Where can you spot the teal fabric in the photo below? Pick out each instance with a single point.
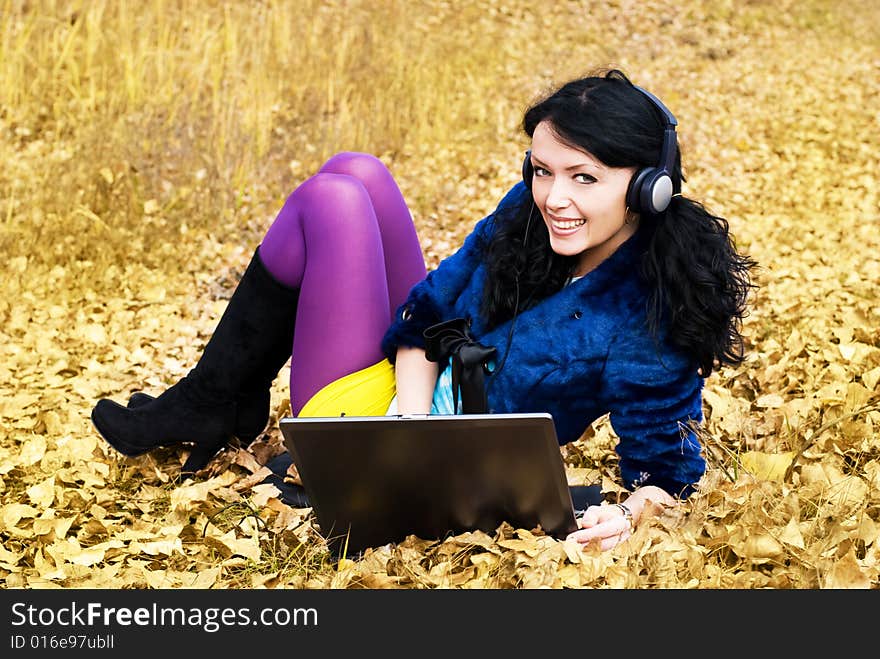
(442, 402)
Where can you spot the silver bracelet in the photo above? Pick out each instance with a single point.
(627, 513)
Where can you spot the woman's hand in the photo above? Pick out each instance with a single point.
(608, 525)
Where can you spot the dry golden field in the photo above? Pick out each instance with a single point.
(146, 146)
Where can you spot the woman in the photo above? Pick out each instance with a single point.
(594, 287)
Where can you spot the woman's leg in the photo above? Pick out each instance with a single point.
(404, 261)
(345, 238)
(327, 240)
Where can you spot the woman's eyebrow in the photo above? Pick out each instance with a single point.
(591, 165)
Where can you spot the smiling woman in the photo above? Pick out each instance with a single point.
(627, 296)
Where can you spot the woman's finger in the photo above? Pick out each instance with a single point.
(596, 515)
(589, 518)
(612, 527)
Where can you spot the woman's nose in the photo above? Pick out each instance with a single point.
(558, 197)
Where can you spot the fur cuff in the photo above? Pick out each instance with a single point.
(410, 320)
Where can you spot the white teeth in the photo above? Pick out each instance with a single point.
(569, 224)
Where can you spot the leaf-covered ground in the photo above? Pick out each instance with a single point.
(146, 152)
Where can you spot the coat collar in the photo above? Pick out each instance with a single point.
(622, 265)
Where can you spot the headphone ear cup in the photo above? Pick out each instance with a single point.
(656, 191)
(527, 170)
(634, 191)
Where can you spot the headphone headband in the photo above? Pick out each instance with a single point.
(670, 118)
(667, 152)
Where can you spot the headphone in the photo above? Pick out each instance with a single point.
(651, 188)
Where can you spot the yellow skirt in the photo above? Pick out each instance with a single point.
(367, 392)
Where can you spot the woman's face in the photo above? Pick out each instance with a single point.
(582, 201)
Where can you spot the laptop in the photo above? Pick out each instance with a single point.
(377, 479)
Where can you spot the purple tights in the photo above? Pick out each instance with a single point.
(346, 239)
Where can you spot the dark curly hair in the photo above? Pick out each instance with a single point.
(697, 281)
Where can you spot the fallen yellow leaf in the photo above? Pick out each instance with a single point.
(767, 466)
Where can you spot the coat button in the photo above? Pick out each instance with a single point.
(577, 315)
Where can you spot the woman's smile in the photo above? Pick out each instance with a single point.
(565, 226)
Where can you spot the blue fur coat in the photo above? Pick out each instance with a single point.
(579, 354)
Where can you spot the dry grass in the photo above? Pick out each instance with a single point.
(147, 145)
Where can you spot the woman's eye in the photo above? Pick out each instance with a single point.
(540, 171)
(584, 178)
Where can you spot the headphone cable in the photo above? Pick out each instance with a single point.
(515, 305)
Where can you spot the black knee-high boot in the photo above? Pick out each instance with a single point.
(250, 344)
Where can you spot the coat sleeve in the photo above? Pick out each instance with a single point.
(654, 396)
(432, 300)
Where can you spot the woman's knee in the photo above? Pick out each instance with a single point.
(328, 200)
(364, 166)
(331, 189)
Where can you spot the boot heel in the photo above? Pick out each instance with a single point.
(199, 458)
